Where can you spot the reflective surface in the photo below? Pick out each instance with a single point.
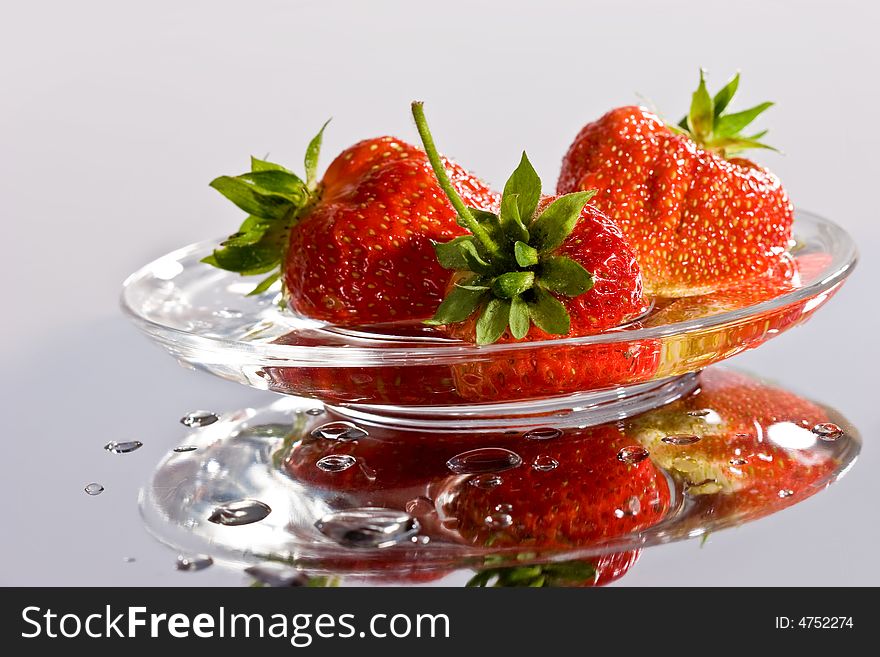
(732, 451)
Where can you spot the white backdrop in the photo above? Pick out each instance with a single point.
(115, 115)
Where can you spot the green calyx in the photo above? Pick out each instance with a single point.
(565, 573)
(713, 129)
(506, 270)
(274, 199)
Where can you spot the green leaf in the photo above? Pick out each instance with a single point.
(247, 261)
(493, 321)
(511, 220)
(701, 117)
(458, 305)
(730, 125)
(548, 313)
(473, 258)
(265, 284)
(564, 275)
(519, 318)
(266, 194)
(525, 183)
(737, 144)
(450, 254)
(263, 165)
(513, 284)
(525, 255)
(313, 150)
(557, 221)
(725, 95)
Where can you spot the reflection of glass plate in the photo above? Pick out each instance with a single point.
(203, 318)
(732, 452)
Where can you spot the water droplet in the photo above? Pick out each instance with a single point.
(185, 448)
(681, 439)
(342, 431)
(242, 512)
(315, 412)
(785, 492)
(765, 457)
(368, 527)
(277, 575)
(544, 463)
(498, 520)
(336, 462)
(484, 460)
(632, 455)
(421, 540)
(632, 508)
(544, 433)
(129, 559)
(419, 506)
(827, 431)
(193, 563)
(94, 489)
(228, 313)
(123, 448)
(199, 419)
(504, 508)
(738, 460)
(703, 412)
(485, 481)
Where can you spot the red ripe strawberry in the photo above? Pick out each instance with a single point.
(698, 221)
(356, 246)
(553, 263)
(753, 439)
(598, 571)
(572, 491)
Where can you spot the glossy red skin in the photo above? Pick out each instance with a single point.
(572, 505)
(697, 221)
(363, 253)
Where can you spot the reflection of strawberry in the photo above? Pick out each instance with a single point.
(697, 221)
(598, 571)
(570, 491)
(751, 440)
(356, 246)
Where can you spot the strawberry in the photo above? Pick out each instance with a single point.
(573, 491)
(356, 246)
(753, 440)
(542, 267)
(598, 571)
(697, 220)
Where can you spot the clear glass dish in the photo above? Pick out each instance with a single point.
(407, 374)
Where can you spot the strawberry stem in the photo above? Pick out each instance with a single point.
(463, 211)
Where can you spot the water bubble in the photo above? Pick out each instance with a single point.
(314, 412)
(277, 575)
(504, 508)
(484, 460)
(544, 463)
(680, 439)
(199, 419)
(738, 460)
(185, 448)
(485, 481)
(544, 433)
(419, 506)
(421, 540)
(368, 527)
(827, 431)
(123, 448)
(632, 508)
(632, 454)
(498, 520)
(242, 512)
(785, 492)
(341, 431)
(700, 413)
(765, 457)
(193, 563)
(94, 489)
(336, 462)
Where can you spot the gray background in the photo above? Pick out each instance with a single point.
(115, 115)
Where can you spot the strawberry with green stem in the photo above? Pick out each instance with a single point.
(698, 218)
(541, 267)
